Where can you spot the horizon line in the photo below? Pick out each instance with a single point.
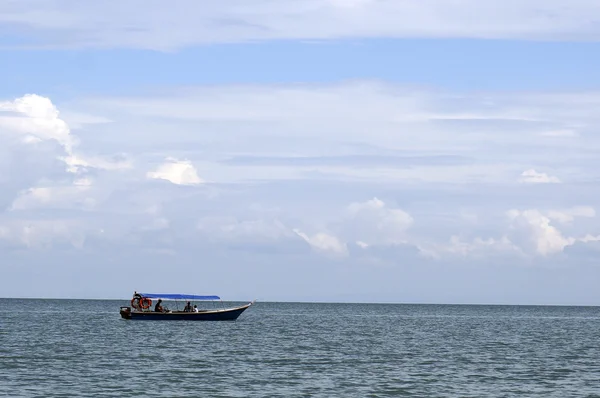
(329, 302)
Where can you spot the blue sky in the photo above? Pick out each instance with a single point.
(316, 150)
(449, 63)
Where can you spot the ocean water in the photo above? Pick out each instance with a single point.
(82, 348)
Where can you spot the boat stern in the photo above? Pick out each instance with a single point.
(125, 312)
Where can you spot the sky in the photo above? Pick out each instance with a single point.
(431, 151)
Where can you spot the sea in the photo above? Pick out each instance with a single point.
(82, 348)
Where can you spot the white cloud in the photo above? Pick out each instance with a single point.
(477, 247)
(568, 215)
(76, 164)
(43, 234)
(42, 168)
(373, 222)
(533, 229)
(529, 234)
(532, 176)
(368, 131)
(32, 140)
(325, 243)
(560, 133)
(157, 25)
(56, 196)
(179, 172)
(590, 238)
(439, 155)
(36, 119)
(234, 229)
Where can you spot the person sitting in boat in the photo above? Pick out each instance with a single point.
(158, 307)
(188, 307)
(195, 308)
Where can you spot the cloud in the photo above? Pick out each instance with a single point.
(568, 215)
(373, 222)
(33, 139)
(36, 119)
(232, 228)
(324, 243)
(390, 256)
(179, 172)
(533, 229)
(157, 25)
(532, 176)
(369, 131)
(33, 119)
(45, 179)
(77, 164)
(478, 249)
(382, 170)
(526, 235)
(56, 196)
(560, 133)
(42, 166)
(43, 234)
(585, 251)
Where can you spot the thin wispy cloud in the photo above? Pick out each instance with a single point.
(534, 177)
(162, 26)
(367, 130)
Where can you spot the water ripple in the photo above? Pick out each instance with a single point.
(60, 348)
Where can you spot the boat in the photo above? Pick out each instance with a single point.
(141, 308)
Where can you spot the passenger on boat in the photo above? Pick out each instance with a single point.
(158, 307)
(195, 308)
(188, 307)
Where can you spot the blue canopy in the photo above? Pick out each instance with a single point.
(179, 296)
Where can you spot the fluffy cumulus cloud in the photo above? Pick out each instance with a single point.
(534, 230)
(34, 144)
(43, 170)
(36, 119)
(179, 172)
(155, 24)
(373, 222)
